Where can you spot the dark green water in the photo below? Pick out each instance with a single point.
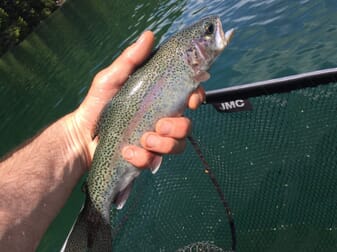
(50, 72)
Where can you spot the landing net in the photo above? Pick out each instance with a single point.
(275, 161)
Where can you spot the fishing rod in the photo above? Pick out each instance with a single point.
(272, 86)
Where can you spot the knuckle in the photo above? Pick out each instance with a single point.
(100, 77)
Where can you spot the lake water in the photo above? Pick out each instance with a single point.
(48, 74)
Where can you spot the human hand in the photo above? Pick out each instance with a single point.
(170, 133)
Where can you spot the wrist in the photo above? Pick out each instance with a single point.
(76, 141)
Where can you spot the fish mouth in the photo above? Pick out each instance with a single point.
(222, 39)
(228, 35)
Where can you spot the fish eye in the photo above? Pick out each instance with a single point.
(209, 29)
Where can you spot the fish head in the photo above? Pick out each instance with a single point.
(201, 43)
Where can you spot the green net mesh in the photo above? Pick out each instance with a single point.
(276, 165)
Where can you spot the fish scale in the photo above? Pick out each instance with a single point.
(158, 89)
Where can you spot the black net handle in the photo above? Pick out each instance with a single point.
(280, 85)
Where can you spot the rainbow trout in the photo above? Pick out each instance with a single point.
(158, 89)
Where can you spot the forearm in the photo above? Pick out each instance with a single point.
(35, 182)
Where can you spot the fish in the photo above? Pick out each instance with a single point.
(160, 88)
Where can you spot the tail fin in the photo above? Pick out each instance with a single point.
(89, 233)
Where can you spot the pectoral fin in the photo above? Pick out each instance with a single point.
(122, 196)
(155, 164)
(201, 76)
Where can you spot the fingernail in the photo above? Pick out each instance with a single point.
(128, 153)
(141, 38)
(151, 141)
(200, 96)
(165, 128)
